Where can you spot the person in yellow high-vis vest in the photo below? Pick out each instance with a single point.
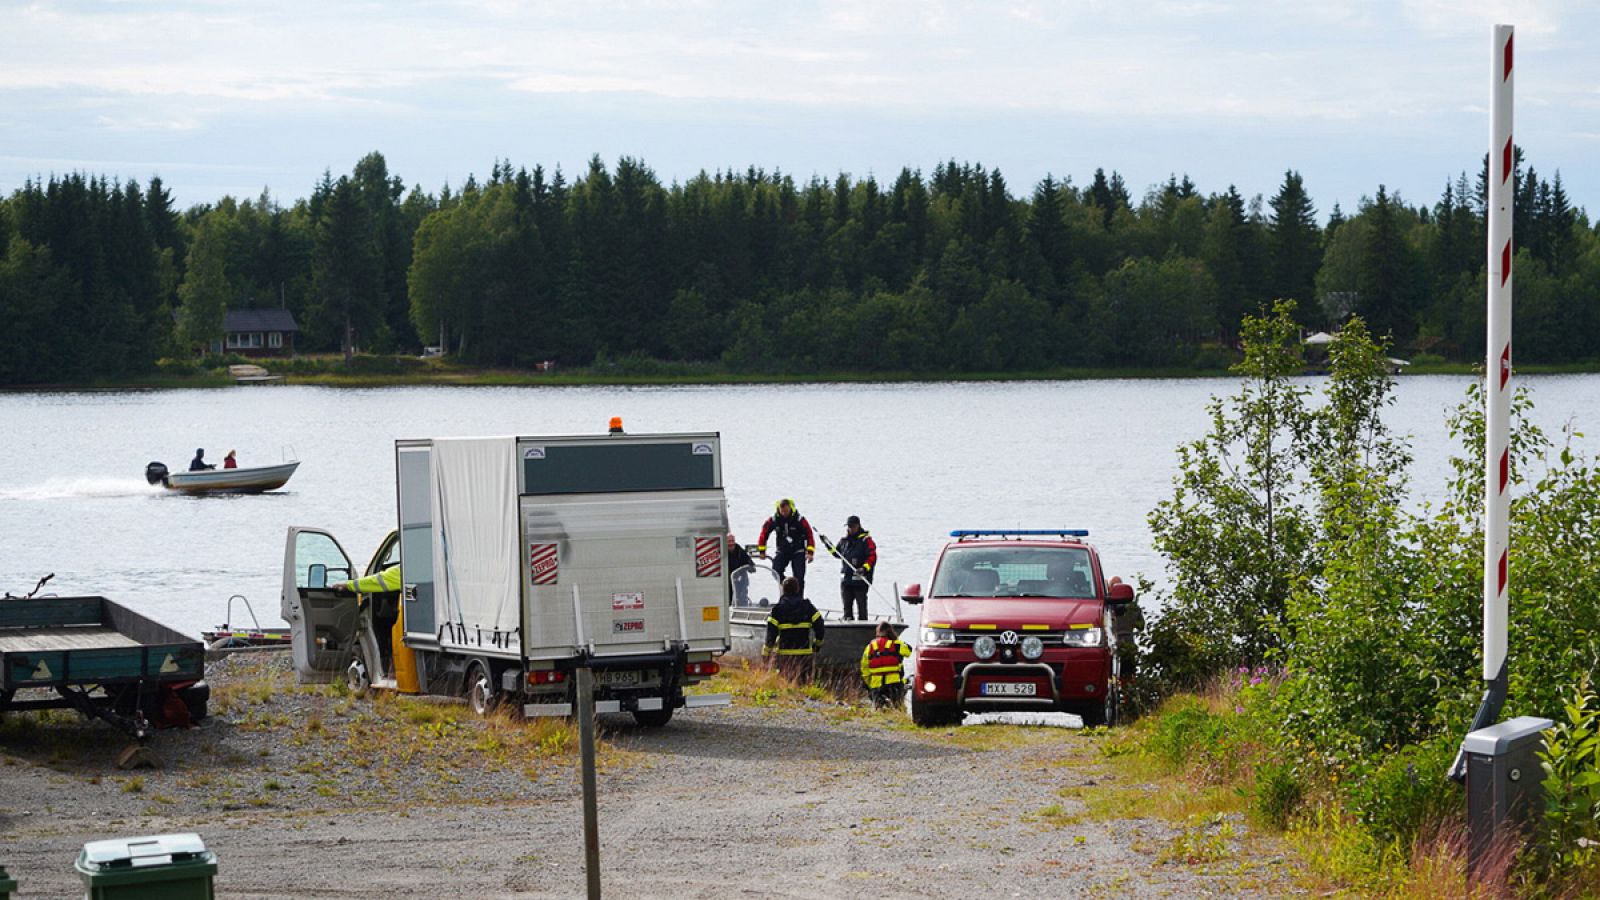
(383, 581)
(883, 669)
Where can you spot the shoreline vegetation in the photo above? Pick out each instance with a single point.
(377, 371)
(609, 272)
(1316, 647)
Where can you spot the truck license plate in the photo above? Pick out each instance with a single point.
(621, 677)
(1009, 689)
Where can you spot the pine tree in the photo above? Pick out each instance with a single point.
(1295, 243)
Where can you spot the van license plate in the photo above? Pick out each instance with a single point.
(1009, 689)
(620, 677)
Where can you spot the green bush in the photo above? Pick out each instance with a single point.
(301, 365)
(1184, 730)
(1212, 358)
(381, 365)
(1571, 763)
(222, 360)
(170, 366)
(1277, 795)
(1406, 795)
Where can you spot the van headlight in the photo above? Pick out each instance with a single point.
(1082, 637)
(984, 646)
(1032, 647)
(938, 637)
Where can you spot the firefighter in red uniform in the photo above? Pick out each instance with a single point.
(882, 669)
(795, 545)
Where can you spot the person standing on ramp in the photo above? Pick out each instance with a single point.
(795, 544)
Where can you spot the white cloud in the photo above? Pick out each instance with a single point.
(1474, 17)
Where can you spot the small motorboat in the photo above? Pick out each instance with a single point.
(844, 640)
(243, 480)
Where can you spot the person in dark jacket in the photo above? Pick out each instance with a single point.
(794, 632)
(858, 553)
(795, 545)
(739, 566)
(199, 464)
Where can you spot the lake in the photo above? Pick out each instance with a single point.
(913, 460)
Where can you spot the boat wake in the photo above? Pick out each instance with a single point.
(81, 488)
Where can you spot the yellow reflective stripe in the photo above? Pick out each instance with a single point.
(1036, 628)
(805, 652)
(882, 670)
(1080, 627)
(815, 617)
(981, 627)
(938, 625)
(781, 626)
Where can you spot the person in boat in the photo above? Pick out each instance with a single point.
(794, 632)
(228, 462)
(739, 565)
(882, 668)
(858, 554)
(795, 544)
(199, 464)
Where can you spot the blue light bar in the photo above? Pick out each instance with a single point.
(1020, 532)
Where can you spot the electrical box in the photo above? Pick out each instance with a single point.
(1504, 785)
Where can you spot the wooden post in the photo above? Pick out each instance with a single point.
(591, 816)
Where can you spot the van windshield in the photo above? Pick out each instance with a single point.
(1015, 572)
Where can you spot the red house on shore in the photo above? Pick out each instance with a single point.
(257, 332)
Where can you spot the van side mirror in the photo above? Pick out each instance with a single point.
(317, 576)
(1120, 594)
(912, 595)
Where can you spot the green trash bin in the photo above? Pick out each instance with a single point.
(8, 885)
(160, 867)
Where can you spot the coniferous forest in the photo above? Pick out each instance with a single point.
(753, 272)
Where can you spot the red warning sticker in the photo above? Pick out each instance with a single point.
(544, 563)
(707, 557)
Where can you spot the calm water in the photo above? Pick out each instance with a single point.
(914, 461)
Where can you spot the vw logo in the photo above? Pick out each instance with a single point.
(1008, 637)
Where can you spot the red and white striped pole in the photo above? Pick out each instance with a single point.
(1497, 387)
(1497, 397)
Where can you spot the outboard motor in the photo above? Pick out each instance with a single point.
(155, 473)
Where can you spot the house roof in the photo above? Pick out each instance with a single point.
(259, 320)
(1320, 338)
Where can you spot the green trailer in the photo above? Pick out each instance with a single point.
(101, 659)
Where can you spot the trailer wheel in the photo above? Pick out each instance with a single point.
(652, 718)
(481, 694)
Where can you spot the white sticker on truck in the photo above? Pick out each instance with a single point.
(631, 600)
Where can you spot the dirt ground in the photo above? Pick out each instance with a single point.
(306, 792)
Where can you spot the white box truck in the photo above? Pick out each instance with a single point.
(520, 560)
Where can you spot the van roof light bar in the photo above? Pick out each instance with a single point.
(964, 534)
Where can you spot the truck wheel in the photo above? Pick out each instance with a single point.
(481, 695)
(356, 677)
(1104, 714)
(652, 718)
(932, 715)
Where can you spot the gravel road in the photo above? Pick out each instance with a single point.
(305, 793)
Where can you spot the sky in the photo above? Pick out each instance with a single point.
(225, 97)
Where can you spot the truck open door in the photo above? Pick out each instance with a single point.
(323, 624)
